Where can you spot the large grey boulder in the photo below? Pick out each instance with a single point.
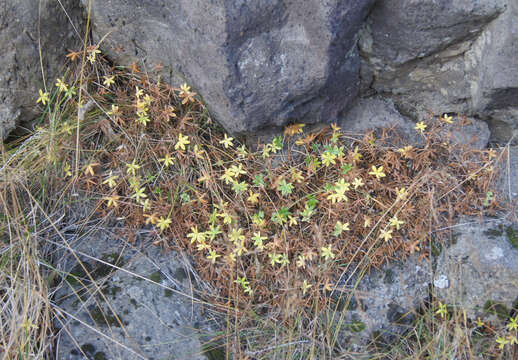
(378, 112)
(382, 303)
(433, 56)
(403, 30)
(25, 27)
(257, 63)
(507, 181)
(479, 272)
(495, 63)
(141, 304)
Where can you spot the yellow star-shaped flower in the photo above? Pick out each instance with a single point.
(111, 180)
(236, 235)
(198, 152)
(378, 172)
(227, 141)
(112, 200)
(406, 151)
(108, 80)
(328, 158)
(167, 160)
(213, 255)
(301, 261)
(357, 183)
(401, 193)
(342, 186)
(421, 126)
(163, 223)
(139, 193)
(138, 92)
(386, 234)
(327, 252)
(195, 235)
(305, 287)
(356, 155)
(253, 198)
(185, 90)
(60, 84)
(394, 221)
(258, 240)
(447, 119)
(132, 168)
(44, 97)
(182, 141)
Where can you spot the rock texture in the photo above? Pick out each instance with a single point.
(384, 303)
(257, 63)
(507, 183)
(261, 64)
(377, 112)
(436, 56)
(479, 273)
(149, 291)
(25, 27)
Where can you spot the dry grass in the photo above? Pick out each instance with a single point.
(273, 227)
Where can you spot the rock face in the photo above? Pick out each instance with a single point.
(479, 272)
(149, 291)
(507, 182)
(24, 26)
(384, 302)
(261, 64)
(436, 56)
(378, 112)
(257, 63)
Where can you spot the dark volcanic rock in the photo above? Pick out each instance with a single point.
(404, 30)
(434, 56)
(25, 27)
(258, 64)
(140, 307)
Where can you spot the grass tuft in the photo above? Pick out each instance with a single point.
(276, 228)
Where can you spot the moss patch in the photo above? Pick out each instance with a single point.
(495, 308)
(389, 277)
(96, 271)
(213, 351)
(180, 274)
(496, 232)
(343, 303)
(102, 270)
(113, 290)
(88, 349)
(436, 249)
(357, 326)
(134, 303)
(101, 318)
(100, 356)
(157, 276)
(512, 236)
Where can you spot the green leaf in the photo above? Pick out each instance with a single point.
(346, 168)
(312, 201)
(281, 216)
(277, 144)
(488, 199)
(185, 197)
(285, 188)
(239, 187)
(307, 213)
(258, 180)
